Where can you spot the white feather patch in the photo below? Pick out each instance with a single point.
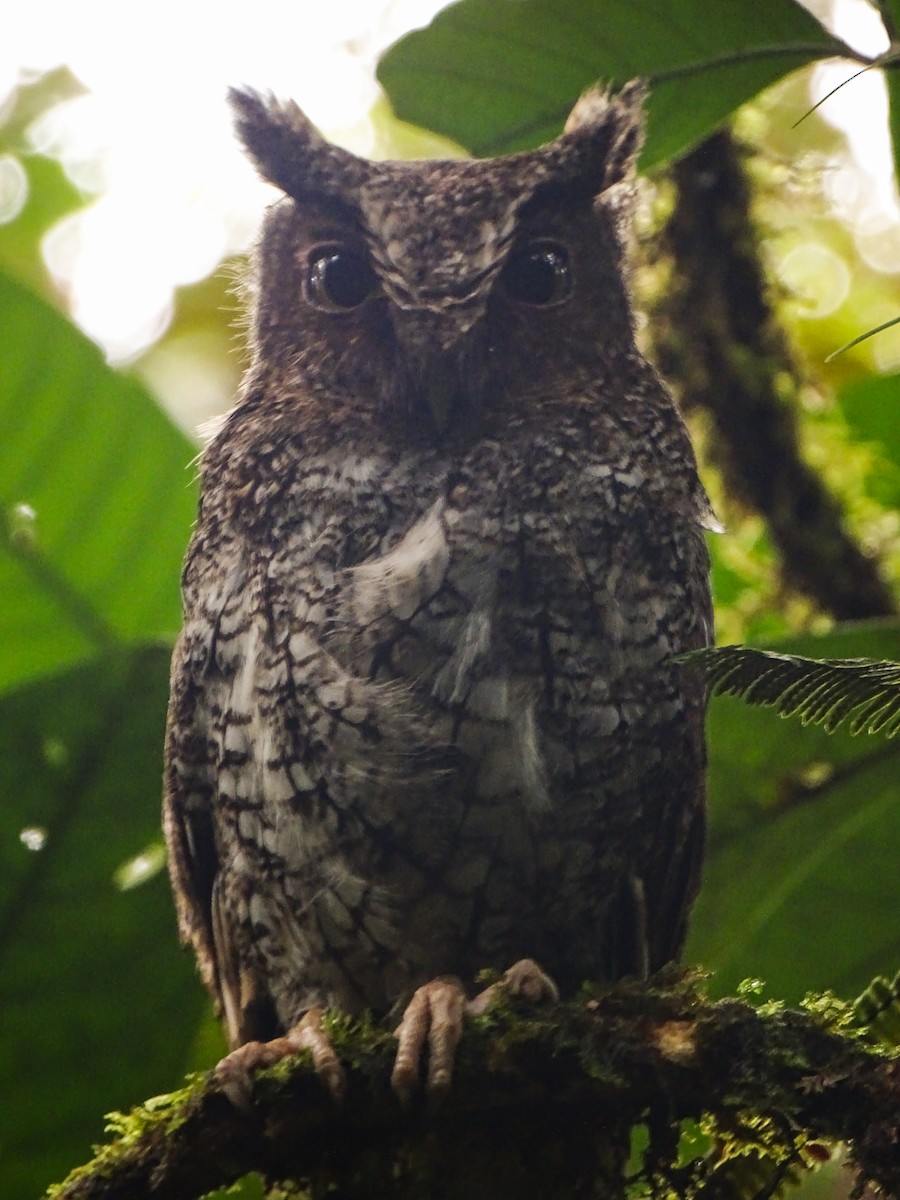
(400, 581)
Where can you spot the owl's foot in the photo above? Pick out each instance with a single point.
(434, 1019)
(525, 980)
(433, 1016)
(236, 1069)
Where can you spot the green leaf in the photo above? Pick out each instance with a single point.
(100, 1006)
(804, 850)
(96, 500)
(502, 75)
(871, 408)
(860, 694)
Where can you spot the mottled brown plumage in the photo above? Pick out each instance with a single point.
(423, 716)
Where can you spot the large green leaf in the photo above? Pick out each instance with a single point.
(872, 410)
(100, 1007)
(96, 499)
(501, 75)
(801, 885)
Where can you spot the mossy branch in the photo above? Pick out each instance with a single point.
(718, 341)
(544, 1103)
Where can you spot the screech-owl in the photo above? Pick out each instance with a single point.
(424, 718)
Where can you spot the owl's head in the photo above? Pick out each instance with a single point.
(440, 298)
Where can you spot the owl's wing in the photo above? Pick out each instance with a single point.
(676, 878)
(650, 601)
(675, 799)
(671, 886)
(187, 819)
(189, 792)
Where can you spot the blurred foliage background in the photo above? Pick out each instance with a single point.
(101, 1009)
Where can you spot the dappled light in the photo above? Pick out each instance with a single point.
(150, 145)
(816, 277)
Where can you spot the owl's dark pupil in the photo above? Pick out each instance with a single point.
(538, 274)
(339, 279)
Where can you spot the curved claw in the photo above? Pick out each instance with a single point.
(433, 1023)
(234, 1072)
(309, 1035)
(433, 1017)
(524, 979)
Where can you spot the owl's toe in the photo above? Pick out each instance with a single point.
(235, 1071)
(432, 1023)
(309, 1035)
(525, 980)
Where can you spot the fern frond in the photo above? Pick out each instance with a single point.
(878, 1010)
(861, 693)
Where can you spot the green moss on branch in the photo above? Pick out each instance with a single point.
(544, 1104)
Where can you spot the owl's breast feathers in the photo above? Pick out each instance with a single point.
(423, 713)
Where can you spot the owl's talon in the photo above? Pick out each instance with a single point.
(309, 1035)
(525, 980)
(235, 1071)
(433, 1019)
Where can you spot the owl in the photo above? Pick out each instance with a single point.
(425, 718)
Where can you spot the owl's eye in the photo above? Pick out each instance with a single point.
(339, 279)
(538, 273)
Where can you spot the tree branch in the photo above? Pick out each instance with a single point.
(544, 1104)
(719, 343)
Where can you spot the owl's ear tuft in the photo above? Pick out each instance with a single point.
(289, 151)
(607, 131)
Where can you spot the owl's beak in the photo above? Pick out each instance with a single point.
(439, 344)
